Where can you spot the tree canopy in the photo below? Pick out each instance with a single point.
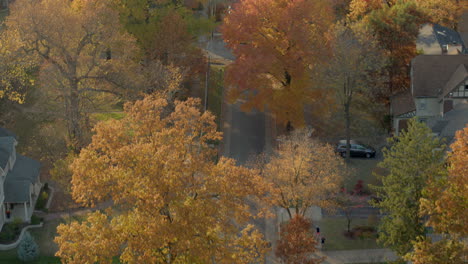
(173, 203)
(414, 156)
(81, 49)
(304, 172)
(278, 45)
(444, 204)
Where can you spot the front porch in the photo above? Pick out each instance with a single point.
(21, 211)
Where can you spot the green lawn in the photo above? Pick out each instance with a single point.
(45, 237)
(9, 257)
(332, 229)
(215, 92)
(107, 116)
(361, 169)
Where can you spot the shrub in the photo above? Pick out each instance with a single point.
(16, 224)
(42, 200)
(35, 220)
(28, 250)
(8, 234)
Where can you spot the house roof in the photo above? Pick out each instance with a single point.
(432, 37)
(7, 146)
(458, 77)
(18, 181)
(402, 103)
(430, 73)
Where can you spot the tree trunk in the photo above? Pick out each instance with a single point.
(348, 130)
(348, 218)
(289, 213)
(75, 132)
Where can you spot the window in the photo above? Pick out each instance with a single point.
(422, 105)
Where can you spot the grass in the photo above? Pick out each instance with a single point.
(44, 238)
(215, 92)
(107, 116)
(10, 257)
(332, 229)
(361, 169)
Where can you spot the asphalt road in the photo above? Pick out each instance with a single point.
(247, 134)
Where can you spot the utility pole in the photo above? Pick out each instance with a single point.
(207, 76)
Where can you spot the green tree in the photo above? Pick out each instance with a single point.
(28, 250)
(444, 204)
(414, 156)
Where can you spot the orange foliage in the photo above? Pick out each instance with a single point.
(297, 242)
(278, 45)
(173, 202)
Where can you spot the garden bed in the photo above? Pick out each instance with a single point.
(44, 195)
(11, 231)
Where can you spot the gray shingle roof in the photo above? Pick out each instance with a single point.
(432, 37)
(430, 73)
(447, 36)
(7, 146)
(18, 181)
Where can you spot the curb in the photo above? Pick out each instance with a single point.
(16, 243)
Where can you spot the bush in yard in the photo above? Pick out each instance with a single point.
(28, 250)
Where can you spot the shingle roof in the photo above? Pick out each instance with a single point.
(430, 73)
(402, 103)
(447, 36)
(18, 181)
(455, 80)
(432, 37)
(7, 146)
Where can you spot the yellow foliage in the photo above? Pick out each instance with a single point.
(174, 203)
(304, 173)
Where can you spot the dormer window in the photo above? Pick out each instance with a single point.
(445, 48)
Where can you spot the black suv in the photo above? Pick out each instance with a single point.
(356, 150)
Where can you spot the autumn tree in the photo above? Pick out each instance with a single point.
(414, 157)
(297, 242)
(396, 28)
(173, 202)
(82, 53)
(279, 45)
(396, 25)
(353, 71)
(445, 203)
(349, 201)
(16, 71)
(166, 31)
(304, 172)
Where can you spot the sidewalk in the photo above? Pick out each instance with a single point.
(360, 256)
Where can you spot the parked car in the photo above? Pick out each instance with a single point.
(356, 149)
